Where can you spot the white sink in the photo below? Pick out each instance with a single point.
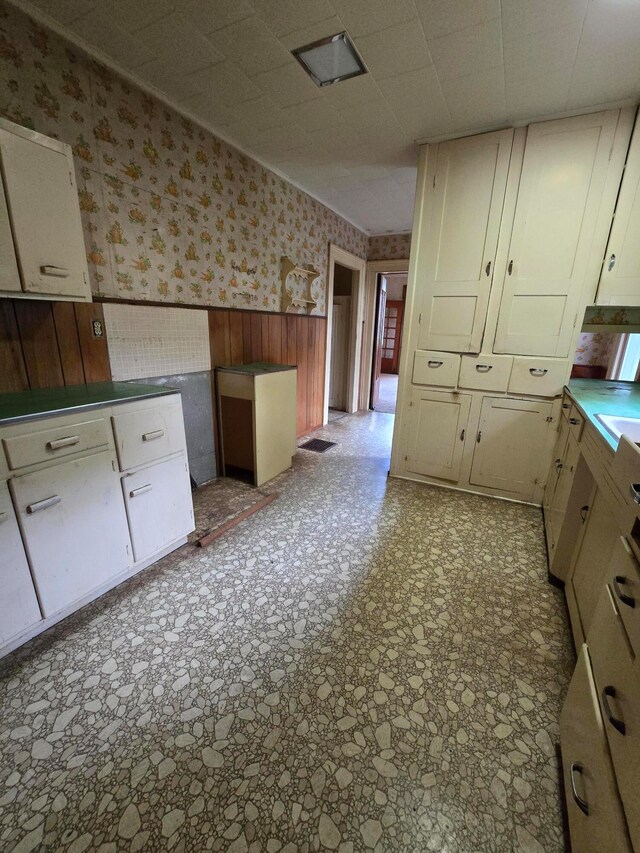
(618, 426)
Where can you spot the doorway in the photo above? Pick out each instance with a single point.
(390, 302)
(342, 301)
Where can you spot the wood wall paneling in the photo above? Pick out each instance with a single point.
(50, 344)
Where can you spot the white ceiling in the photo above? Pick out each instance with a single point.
(437, 68)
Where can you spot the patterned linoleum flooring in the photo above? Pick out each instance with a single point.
(365, 665)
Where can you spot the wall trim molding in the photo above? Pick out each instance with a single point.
(113, 300)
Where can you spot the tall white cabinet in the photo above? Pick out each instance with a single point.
(510, 229)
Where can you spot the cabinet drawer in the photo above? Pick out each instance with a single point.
(148, 434)
(159, 507)
(436, 368)
(596, 820)
(619, 696)
(543, 377)
(485, 372)
(623, 577)
(576, 422)
(49, 444)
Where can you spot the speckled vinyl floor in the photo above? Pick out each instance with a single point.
(365, 665)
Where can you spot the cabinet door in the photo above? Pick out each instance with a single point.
(596, 820)
(18, 603)
(561, 186)
(592, 557)
(510, 445)
(555, 469)
(74, 526)
(620, 277)
(9, 276)
(44, 211)
(437, 432)
(461, 235)
(558, 507)
(159, 506)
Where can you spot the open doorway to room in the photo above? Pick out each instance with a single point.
(340, 338)
(390, 300)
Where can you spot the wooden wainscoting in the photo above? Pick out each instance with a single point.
(239, 337)
(49, 344)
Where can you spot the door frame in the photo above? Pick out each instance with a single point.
(374, 269)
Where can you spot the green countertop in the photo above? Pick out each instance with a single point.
(256, 368)
(39, 403)
(606, 397)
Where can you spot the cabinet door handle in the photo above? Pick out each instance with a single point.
(38, 506)
(609, 692)
(634, 489)
(479, 436)
(612, 262)
(619, 581)
(510, 267)
(149, 436)
(57, 272)
(140, 491)
(538, 371)
(484, 368)
(487, 269)
(582, 804)
(575, 421)
(583, 512)
(558, 464)
(59, 443)
(566, 405)
(462, 434)
(433, 363)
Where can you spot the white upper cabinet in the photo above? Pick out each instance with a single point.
(9, 275)
(620, 277)
(464, 195)
(550, 258)
(43, 216)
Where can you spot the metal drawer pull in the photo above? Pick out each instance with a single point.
(575, 421)
(510, 267)
(59, 443)
(479, 436)
(583, 512)
(45, 504)
(612, 262)
(462, 434)
(149, 436)
(558, 464)
(484, 368)
(538, 371)
(58, 272)
(487, 269)
(634, 488)
(435, 363)
(609, 692)
(619, 581)
(135, 492)
(582, 804)
(566, 405)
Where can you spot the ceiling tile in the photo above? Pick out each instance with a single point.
(312, 32)
(251, 45)
(286, 16)
(210, 15)
(356, 91)
(394, 50)
(417, 100)
(65, 11)
(176, 41)
(230, 84)
(467, 51)
(441, 17)
(134, 16)
(477, 101)
(259, 114)
(362, 17)
(528, 57)
(98, 30)
(539, 95)
(287, 85)
(315, 114)
(523, 17)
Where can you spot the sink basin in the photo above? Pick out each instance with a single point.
(618, 426)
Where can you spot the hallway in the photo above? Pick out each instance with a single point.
(366, 664)
(388, 393)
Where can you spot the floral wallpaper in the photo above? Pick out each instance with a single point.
(594, 348)
(604, 316)
(170, 212)
(389, 247)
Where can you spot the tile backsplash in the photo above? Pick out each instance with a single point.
(151, 341)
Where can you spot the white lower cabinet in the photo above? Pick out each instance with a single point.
(18, 602)
(159, 507)
(438, 432)
(74, 526)
(511, 440)
(596, 820)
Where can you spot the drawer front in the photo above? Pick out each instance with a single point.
(542, 377)
(576, 422)
(566, 404)
(619, 696)
(54, 443)
(436, 368)
(623, 577)
(148, 434)
(596, 820)
(159, 506)
(485, 372)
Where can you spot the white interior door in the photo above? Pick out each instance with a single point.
(561, 186)
(461, 235)
(510, 444)
(620, 277)
(437, 432)
(45, 216)
(339, 352)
